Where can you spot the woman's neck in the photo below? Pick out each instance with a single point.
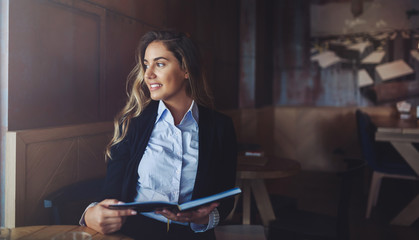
(178, 109)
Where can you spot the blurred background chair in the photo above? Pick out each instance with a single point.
(68, 203)
(301, 224)
(381, 157)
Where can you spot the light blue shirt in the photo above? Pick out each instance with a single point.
(169, 165)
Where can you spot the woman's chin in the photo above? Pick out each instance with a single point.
(155, 97)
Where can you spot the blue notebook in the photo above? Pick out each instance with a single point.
(158, 205)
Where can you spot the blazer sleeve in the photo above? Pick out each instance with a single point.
(116, 168)
(227, 165)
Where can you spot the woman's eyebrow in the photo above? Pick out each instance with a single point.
(159, 58)
(156, 59)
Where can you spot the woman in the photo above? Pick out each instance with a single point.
(168, 145)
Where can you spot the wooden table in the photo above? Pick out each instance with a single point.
(47, 232)
(251, 180)
(401, 134)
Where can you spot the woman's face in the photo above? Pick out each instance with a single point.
(165, 78)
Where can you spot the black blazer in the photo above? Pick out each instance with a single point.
(216, 160)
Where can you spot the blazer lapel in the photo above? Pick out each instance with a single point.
(143, 126)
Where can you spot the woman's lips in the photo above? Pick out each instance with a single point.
(155, 86)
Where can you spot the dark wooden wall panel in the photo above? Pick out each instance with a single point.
(181, 14)
(41, 161)
(226, 49)
(204, 35)
(153, 13)
(54, 65)
(69, 59)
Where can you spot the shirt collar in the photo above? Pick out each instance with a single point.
(164, 112)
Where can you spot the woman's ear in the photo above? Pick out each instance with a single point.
(186, 75)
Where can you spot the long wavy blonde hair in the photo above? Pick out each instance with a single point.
(138, 94)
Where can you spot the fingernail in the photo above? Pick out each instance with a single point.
(134, 212)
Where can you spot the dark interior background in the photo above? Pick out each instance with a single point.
(69, 59)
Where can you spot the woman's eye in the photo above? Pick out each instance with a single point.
(145, 66)
(160, 64)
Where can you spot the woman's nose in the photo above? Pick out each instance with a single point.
(149, 74)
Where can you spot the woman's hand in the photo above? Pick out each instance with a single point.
(198, 216)
(105, 220)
